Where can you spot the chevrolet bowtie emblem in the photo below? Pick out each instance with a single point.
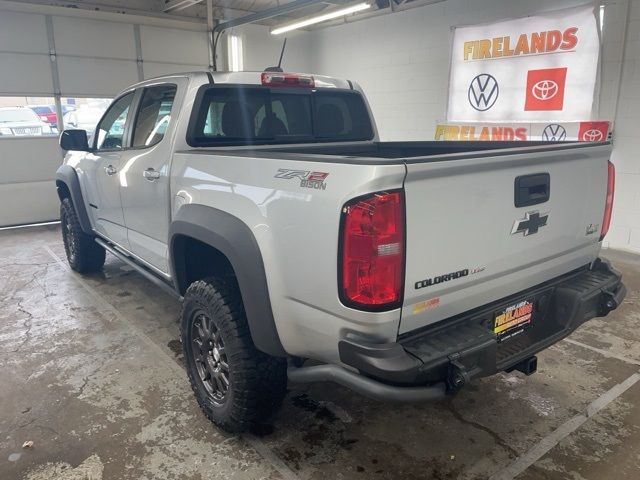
(530, 223)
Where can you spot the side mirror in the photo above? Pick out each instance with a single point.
(74, 140)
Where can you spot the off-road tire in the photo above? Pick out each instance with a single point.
(256, 381)
(83, 253)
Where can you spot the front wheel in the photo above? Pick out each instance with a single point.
(83, 253)
(236, 385)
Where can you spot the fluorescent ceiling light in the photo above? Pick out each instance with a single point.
(321, 18)
(235, 53)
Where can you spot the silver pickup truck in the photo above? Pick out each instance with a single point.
(306, 249)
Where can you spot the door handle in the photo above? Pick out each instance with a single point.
(151, 174)
(110, 170)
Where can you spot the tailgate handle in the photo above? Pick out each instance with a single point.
(532, 189)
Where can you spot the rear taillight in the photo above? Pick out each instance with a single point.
(608, 204)
(372, 252)
(277, 79)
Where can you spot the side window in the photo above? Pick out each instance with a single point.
(154, 115)
(110, 131)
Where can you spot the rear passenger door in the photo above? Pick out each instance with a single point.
(144, 177)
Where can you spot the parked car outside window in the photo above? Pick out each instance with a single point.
(22, 121)
(47, 113)
(84, 118)
(66, 108)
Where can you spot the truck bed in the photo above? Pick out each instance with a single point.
(392, 152)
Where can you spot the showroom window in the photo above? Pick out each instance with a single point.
(27, 117)
(110, 131)
(154, 115)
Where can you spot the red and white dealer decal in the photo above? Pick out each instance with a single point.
(593, 131)
(545, 89)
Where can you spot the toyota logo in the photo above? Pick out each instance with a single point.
(593, 135)
(545, 90)
(554, 133)
(483, 92)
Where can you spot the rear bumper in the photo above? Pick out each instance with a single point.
(426, 364)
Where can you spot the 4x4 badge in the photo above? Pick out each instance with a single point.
(530, 223)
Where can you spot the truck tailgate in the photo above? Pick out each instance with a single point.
(468, 244)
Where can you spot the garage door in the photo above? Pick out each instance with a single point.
(27, 184)
(83, 62)
(28, 162)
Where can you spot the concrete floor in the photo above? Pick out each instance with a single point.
(91, 372)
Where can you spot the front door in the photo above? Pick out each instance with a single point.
(106, 160)
(144, 185)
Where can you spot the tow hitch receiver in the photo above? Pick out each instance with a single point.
(528, 366)
(457, 377)
(609, 302)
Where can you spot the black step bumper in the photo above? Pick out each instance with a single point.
(462, 348)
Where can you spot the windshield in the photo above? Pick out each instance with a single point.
(18, 115)
(259, 115)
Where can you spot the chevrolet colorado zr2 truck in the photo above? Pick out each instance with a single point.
(402, 270)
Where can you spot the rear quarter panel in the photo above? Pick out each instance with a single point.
(297, 230)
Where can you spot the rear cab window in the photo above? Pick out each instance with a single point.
(257, 115)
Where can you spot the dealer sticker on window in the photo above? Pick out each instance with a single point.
(512, 320)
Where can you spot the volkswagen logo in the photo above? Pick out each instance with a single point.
(593, 135)
(545, 89)
(554, 133)
(483, 92)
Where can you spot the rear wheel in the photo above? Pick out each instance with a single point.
(83, 253)
(236, 385)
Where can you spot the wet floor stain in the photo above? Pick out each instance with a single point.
(306, 403)
(176, 347)
(263, 430)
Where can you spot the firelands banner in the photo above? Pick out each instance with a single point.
(547, 132)
(535, 69)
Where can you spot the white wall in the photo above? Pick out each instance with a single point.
(625, 226)
(402, 62)
(261, 49)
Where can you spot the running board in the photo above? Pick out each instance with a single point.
(138, 268)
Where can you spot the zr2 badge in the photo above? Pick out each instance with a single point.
(315, 180)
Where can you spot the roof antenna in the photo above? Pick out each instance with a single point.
(278, 68)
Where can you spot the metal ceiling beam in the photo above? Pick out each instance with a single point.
(175, 5)
(264, 14)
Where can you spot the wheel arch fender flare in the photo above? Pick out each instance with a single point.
(67, 177)
(235, 240)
